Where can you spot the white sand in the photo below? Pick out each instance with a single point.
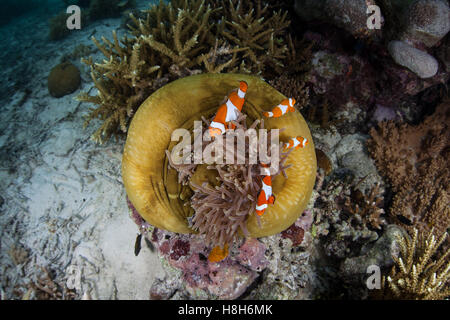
(64, 200)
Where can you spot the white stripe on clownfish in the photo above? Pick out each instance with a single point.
(297, 142)
(228, 111)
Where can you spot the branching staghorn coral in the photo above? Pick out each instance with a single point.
(292, 81)
(415, 161)
(123, 82)
(292, 87)
(254, 27)
(418, 274)
(177, 39)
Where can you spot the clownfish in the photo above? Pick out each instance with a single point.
(297, 142)
(228, 111)
(218, 253)
(265, 196)
(285, 106)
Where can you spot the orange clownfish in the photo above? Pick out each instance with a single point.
(297, 142)
(265, 196)
(285, 106)
(218, 253)
(228, 111)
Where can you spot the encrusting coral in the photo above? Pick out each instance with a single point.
(415, 161)
(420, 273)
(177, 39)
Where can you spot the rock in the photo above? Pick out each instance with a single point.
(328, 65)
(323, 162)
(359, 163)
(419, 62)
(351, 153)
(383, 113)
(380, 254)
(251, 255)
(63, 80)
(355, 272)
(309, 9)
(427, 22)
(350, 15)
(164, 289)
(444, 53)
(295, 234)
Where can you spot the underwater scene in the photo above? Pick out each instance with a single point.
(224, 150)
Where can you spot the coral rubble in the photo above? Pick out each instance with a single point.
(252, 267)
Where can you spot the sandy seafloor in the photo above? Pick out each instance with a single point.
(63, 200)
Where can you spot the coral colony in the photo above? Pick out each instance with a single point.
(265, 150)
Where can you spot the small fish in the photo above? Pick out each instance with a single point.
(149, 244)
(137, 244)
(228, 111)
(218, 253)
(285, 106)
(297, 142)
(265, 196)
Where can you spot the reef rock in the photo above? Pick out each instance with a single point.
(427, 22)
(355, 271)
(350, 15)
(444, 53)
(63, 79)
(379, 253)
(352, 154)
(251, 255)
(418, 61)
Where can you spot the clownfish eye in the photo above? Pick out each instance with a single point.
(272, 199)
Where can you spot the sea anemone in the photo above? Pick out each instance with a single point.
(181, 200)
(225, 194)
